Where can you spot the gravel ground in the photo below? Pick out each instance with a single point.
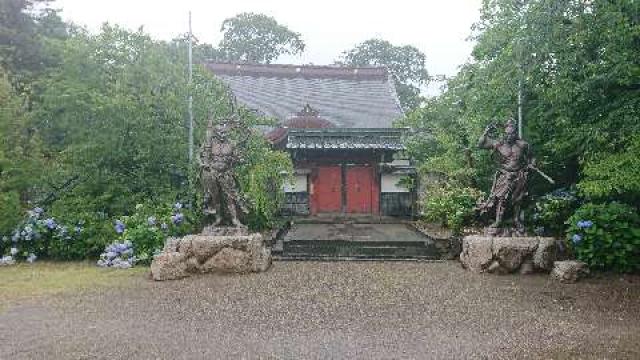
(363, 310)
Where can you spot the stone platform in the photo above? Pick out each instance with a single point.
(208, 252)
(502, 255)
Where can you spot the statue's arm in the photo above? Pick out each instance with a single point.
(485, 141)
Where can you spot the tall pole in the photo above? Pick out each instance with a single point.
(190, 94)
(520, 107)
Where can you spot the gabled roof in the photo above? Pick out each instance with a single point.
(349, 97)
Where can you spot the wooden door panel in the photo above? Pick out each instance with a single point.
(359, 187)
(328, 189)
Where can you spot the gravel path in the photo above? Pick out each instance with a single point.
(365, 310)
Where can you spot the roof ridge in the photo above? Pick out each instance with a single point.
(309, 66)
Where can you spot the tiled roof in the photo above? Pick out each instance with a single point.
(354, 138)
(346, 96)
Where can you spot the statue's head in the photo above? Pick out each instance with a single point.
(510, 132)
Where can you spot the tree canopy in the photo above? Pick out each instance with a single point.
(257, 38)
(406, 63)
(578, 64)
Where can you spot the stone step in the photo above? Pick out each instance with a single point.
(332, 249)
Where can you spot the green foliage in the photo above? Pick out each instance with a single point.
(616, 174)
(150, 225)
(577, 63)
(261, 179)
(406, 64)
(25, 26)
(606, 236)
(105, 130)
(257, 38)
(552, 210)
(450, 206)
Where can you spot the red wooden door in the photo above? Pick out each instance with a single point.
(359, 189)
(327, 194)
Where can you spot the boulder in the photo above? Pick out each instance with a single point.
(204, 252)
(511, 252)
(503, 255)
(228, 260)
(546, 254)
(569, 271)
(168, 266)
(477, 252)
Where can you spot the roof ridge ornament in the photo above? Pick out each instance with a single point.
(307, 110)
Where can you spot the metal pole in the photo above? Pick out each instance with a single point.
(520, 107)
(190, 95)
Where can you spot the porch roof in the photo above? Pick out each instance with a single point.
(345, 138)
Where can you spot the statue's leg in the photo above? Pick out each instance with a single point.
(499, 213)
(218, 205)
(516, 218)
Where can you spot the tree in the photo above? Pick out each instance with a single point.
(24, 27)
(406, 64)
(257, 38)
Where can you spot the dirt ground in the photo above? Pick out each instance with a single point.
(338, 310)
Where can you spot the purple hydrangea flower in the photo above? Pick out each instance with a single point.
(177, 205)
(576, 238)
(50, 223)
(119, 226)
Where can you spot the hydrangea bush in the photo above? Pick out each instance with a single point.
(552, 210)
(40, 235)
(149, 226)
(118, 255)
(606, 236)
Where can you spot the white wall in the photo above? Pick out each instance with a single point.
(299, 184)
(389, 183)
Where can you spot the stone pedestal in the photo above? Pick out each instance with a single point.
(205, 253)
(502, 255)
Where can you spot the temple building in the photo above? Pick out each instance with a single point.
(336, 122)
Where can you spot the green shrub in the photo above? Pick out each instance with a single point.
(150, 225)
(42, 235)
(450, 206)
(552, 210)
(606, 236)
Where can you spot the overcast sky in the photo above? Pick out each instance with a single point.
(439, 28)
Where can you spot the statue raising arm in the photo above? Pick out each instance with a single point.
(485, 141)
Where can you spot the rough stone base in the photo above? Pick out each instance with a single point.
(569, 271)
(502, 255)
(205, 253)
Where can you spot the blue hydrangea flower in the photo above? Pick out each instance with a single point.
(177, 218)
(576, 238)
(50, 223)
(119, 226)
(164, 226)
(585, 224)
(177, 205)
(151, 220)
(16, 236)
